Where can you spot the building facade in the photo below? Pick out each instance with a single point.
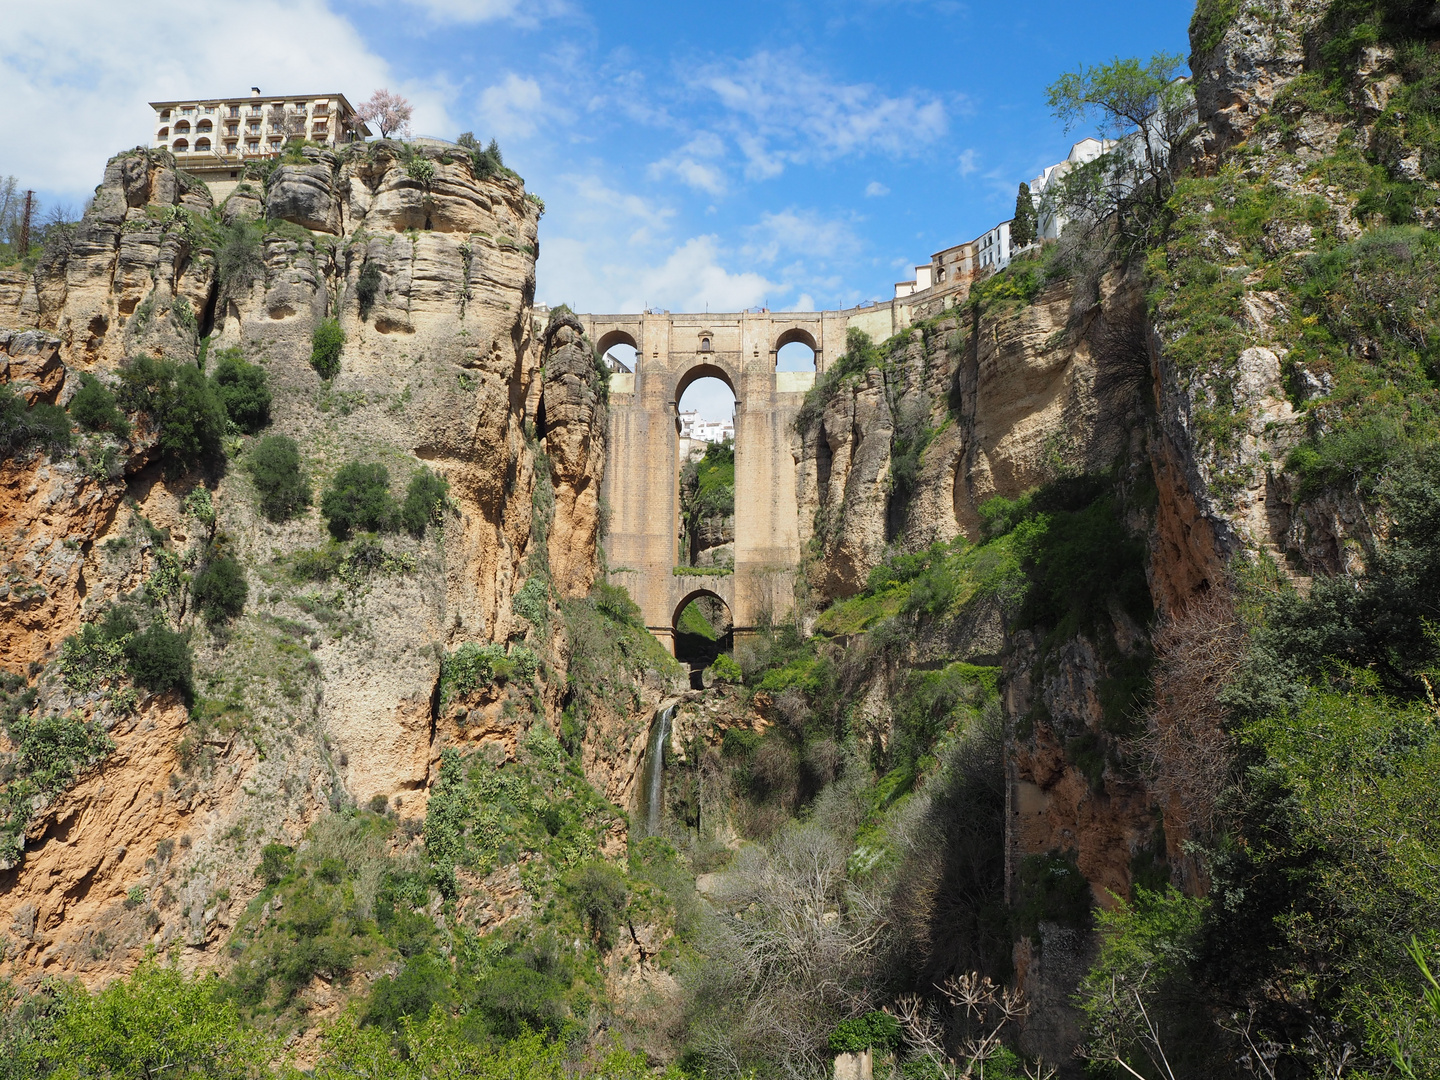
(214, 137)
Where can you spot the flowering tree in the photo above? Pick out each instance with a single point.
(388, 112)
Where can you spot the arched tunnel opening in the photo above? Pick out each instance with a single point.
(703, 631)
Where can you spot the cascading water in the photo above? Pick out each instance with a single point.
(653, 774)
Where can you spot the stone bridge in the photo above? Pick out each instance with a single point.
(642, 475)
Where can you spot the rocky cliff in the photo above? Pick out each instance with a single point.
(325, 691)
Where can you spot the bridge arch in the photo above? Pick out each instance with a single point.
(797, 334)
(713, 368)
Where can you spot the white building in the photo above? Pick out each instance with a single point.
(695, 427)
(1049, 221)
(257, 126)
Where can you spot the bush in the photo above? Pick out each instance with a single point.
(22, 426)
(877, 1030)
(274, 467)
(183, 407)
(243, 391)
(725, 669)
(160, 660)
(424, 984)
(424, 501)
(220, 590)
(599, 892)
(93, 408)
(359, 498)
(274, 863)
(240, 259)
(325, 346)
(367, 288)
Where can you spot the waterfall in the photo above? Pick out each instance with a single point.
(653, 774)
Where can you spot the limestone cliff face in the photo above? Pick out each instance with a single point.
(326, 693)
(575, 429)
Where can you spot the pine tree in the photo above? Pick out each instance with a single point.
(1022, 228)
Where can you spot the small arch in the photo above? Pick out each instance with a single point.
(203, 125)
(704, 344)
(704, 628)
(181, 146)
(182, 127)
(795, 351)
(611, 338)
(707, 370)
(202, 146)
(164, 133)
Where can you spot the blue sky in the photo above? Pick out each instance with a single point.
(732, 154)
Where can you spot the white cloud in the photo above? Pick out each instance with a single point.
(967, 163)
(799, 232)
(695, 164)
(478, 11)
(512, 107)
(592, 275)
(876, 190)
(782, 112)
(78, 73)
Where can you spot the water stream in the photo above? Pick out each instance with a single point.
(652, 774)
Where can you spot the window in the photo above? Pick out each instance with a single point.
(164, 133)
(321, 109)
(232, 129)
(704, 344)
(182, 146)
(204, 125)
(202, 146)
(253, 146)
(230, 147)
(164, 114)
(233, 111)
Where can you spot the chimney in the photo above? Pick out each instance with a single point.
(254, 91)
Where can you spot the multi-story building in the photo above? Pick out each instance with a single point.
(214, 137)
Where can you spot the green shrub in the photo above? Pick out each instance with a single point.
(239, 259)
(274, 863)
(877, 1030)
(220, 590)
(325, 345)
(424, 984)
(359, 498)
(159, 659)
(531, 601)
(183, 407)
(97, 652)
(93, 408)
(726, 670)
(424, 501)
(274, 467)
(599, 891)
(244, 391)
(367, 287)
(24, 426)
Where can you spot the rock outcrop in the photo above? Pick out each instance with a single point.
(428, 268)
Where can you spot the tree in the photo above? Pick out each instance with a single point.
(424, 501)
(358, 498)
(1148, 114)
(1022, 228)
(274, 466)
(325, 345)
(157, 1023)
(388, 112)
(243, 390)
(220, 590)
(93, 407)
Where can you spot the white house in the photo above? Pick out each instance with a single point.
(1049, 221)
